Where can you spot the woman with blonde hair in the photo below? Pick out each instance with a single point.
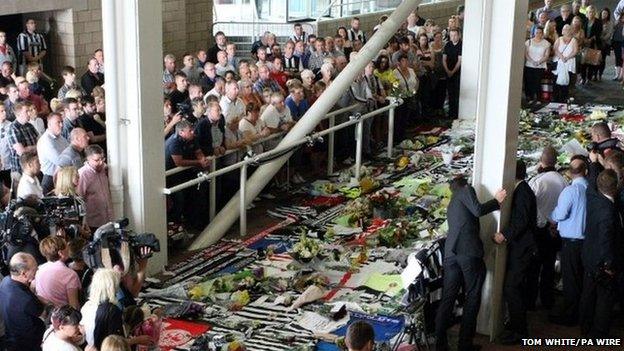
(566, 48)
(102, 314)
(550, 32)
(66, 181)
(65, 185)
(115, 343)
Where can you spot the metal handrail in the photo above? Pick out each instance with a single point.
(272, 136)
(357, 119)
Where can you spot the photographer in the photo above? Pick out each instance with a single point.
(65, 187)
(602, 142)
(132, 281)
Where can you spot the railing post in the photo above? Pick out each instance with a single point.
(242, 205)
(358, 148)
(330, 148)
(391, 128)
(213, 191)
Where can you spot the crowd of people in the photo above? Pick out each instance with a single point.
(216, 105)
(219, 103)
(569, 47)
(578, 220)
(52, 145)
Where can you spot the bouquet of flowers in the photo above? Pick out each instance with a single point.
(306, 249)
(399, 92)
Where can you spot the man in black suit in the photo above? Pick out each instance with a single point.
(463, 262)
(601, 262)
(521, 251)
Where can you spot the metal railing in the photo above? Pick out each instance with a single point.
(256, 29)
(354, 119)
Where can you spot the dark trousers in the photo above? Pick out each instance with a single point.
(562, 92)
(588, 71)
(467, 273)
(47, 183)
(542, 271)
(438, 94)
(452, 86)
(572, 276)
(532, 80)
(606, 50)
(514, 289)
(599, 296)
(617, 51)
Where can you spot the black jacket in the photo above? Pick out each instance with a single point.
(90, 81)
(212, 53)
(203, 134)
(602, 247)
(523, 222)
(595, 32)
(463, 215)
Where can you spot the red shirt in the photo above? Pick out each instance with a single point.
(280, 77)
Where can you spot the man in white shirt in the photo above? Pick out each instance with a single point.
(29, 187)
(218, 90)
(49, 148)
(232, 107)
(547, 185)
(277, 118)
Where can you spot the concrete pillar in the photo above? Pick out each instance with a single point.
(133, 47)
(498, 60)
(473, 33)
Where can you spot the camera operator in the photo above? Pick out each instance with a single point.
(132, 281)
(602, 142)
(29, 186)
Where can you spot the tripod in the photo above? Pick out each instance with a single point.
(414, 327)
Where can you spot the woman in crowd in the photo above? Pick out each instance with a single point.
(592, 41)
(102, 313)
(617, 42)
(537, 52)
(170, 119)
(426, 74)
(408, 86)
(578, 33)
(65, 185)
(307, 80)
(439, 88)
(35, 120)
(384, 73)
(54, 281)
(566, 48)
(550, 32)
(115, 343)
(64, 333)
(605, 39)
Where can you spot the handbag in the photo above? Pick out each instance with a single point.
(591, 57)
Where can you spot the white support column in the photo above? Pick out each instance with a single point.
(499, 87)
(473, 33)
(132, 32)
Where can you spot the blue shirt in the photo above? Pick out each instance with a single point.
(296, 111)
(570, 210)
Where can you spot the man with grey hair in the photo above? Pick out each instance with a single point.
(547, 9)
(564, 18)
(168, 78)
(20, 308)
(73, 154)
(232, 107)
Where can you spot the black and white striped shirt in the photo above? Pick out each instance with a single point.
(293, 64)
(352, 35)
(30, 42)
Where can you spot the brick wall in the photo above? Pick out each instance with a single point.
(74, 28)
